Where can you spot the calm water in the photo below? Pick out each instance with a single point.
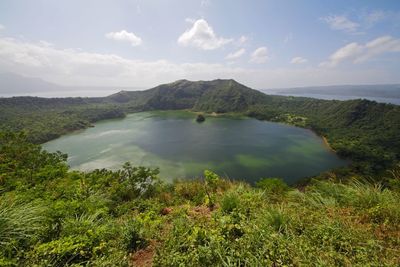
(240, 148)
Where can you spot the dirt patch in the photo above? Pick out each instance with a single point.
(166, 211)
(200, 212)
(384, 232)
(143, 257)
(326, 143)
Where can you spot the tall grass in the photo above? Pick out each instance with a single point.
(19, 223)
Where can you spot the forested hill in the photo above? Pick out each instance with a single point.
(48, 118)
(217, 96)
(364, 131)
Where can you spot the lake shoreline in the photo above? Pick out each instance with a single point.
(175, 143)
(326, 143)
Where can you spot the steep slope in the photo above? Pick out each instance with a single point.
(228, 96)
(181, 94)
(217, 95)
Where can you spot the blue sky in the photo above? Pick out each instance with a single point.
(264, 44)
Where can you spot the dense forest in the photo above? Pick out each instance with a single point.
(363, 131)
(52, 216)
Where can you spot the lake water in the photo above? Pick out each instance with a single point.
(235, 147)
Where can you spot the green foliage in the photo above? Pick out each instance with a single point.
(200, 118)
(277, 219)
(211, 184)
(19, 158)
(211, 179)
(44, 119)
(291, 232)
(52, 217)
(273, 187)
(230, 202)
(190, 190)
(394, 180)
(361, 130)
(132, 235)
(137, 181)
(20, 225)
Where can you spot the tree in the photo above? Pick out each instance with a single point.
(200, 118)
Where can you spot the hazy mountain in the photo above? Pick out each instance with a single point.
(12, 84)
(378, 90)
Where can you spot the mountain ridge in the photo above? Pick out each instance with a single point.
(220, 95)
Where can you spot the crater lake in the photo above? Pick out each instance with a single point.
(232, 146)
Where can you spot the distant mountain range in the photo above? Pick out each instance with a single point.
(12, 84)
(378, 90)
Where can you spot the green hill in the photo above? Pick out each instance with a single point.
(60, 115)
(212, 96)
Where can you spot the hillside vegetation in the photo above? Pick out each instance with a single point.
(52, 216)
(364, 131)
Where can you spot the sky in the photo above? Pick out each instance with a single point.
(142, 43)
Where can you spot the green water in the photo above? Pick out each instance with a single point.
(239, 148)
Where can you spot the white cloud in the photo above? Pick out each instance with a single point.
(236, 55)
(343, 53)
(379, 46)
(260, 55)
(77, 67)
(243, 39)
(358, 53)
(124, 36)
(375, 16)
(298, 60)
(341, 23)
(2, 27)
(202, 36)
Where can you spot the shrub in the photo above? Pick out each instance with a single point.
(192, 190)
(277, 219)
(62, 252)
(273, 187)
(230, 202)
(211, 181)
(132, 236)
